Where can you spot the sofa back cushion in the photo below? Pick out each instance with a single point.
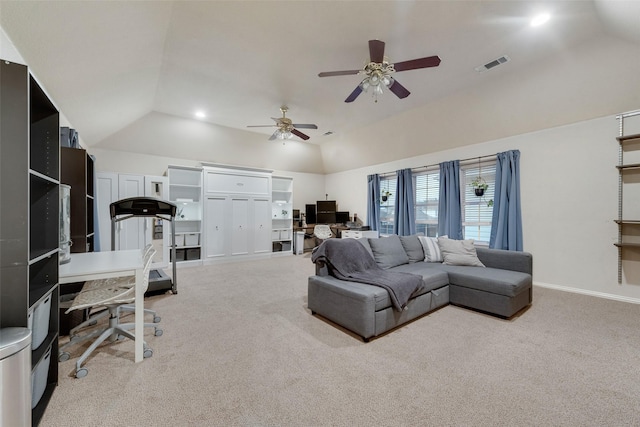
(365, 242)
(388, 251)
(459, 252)
(431, 249)
(413, 248)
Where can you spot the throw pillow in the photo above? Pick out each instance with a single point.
(365, 242)
(431, 249)
(413, 248)
(459, 252)
(388, 251)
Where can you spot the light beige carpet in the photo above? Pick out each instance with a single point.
(240, 348)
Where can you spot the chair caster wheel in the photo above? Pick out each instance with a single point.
(158, 332)
(82, 372)
(147, 353)
(156, 319)
(63, 357)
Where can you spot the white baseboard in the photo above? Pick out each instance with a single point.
(590, 293)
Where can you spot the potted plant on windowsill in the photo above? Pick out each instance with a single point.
(479, 186)
(385, 195)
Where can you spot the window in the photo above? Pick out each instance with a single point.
(387, 204)
(427, 192)
(477, 211)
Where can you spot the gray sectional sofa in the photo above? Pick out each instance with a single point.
(497, 282)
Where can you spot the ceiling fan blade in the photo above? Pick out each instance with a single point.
(274, 136)
(398, 89)
(299, 134)
(430, 61)
(338, 73)
(304, 126)
(261, 126)
(376, 51)
(357, 91)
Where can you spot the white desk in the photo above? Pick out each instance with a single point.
(101, 265)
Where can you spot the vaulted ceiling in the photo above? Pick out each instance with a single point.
(110, 65)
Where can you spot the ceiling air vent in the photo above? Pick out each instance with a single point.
(493, 64)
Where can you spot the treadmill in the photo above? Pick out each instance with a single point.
(135, 207)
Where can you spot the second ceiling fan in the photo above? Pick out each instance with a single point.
(378, 72)
(286, 128)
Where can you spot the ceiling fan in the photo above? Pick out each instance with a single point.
(378, 72)
(286, 128)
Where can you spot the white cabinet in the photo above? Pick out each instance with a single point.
(237, 212)
(261, 225)
(215, 210)
(282, 214)
(132, 233)
(185, 190)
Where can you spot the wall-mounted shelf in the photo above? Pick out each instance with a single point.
(628, 229)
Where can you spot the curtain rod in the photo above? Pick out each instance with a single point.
(438, 164)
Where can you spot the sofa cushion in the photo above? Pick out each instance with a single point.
(388, 251)
(459, 252)
(412, 247)
(431, 249)
(365, 243)
(493, 280)
(432, 278)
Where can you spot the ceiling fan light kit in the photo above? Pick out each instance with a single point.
(378, 72)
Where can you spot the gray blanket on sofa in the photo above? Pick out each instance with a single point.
(347, 259)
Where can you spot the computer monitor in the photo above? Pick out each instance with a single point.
(342, 217)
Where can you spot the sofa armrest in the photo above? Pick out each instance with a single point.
(506, 260)
(321, 269)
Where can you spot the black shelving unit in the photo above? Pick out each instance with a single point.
(29, 220)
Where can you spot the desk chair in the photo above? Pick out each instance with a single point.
(147, 254)
(322, 232)
(112, 296)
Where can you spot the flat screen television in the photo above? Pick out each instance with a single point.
(342, 217)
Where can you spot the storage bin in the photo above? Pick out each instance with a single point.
(192, 239)
(193, 254)
(39, 378)
(38, 321)
(180, 254)
(179, 240)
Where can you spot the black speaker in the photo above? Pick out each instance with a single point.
(310, 213)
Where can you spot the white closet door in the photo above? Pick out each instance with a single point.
(240, 228)
(215, 211)
(262, 225)
(158, 187)
(131, 231)
(107, 192)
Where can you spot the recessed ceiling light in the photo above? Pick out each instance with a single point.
(539, 19)
(200, 114)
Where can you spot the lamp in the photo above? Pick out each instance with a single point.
(377, 75)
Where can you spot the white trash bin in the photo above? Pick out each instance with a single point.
(15, 377)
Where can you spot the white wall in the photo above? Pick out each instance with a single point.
(569, 187)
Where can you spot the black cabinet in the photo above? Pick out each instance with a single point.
(77, 171)
(326, 211)
(29, 222)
